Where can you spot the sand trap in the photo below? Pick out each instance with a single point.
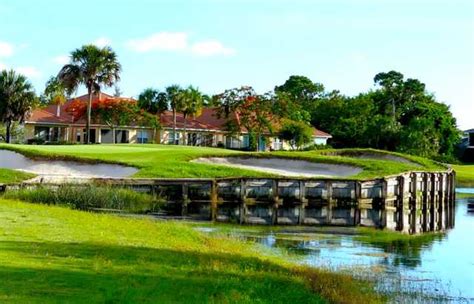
(59, 168)
(282, 166)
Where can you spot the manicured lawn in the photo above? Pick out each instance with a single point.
(55, 255)
(8, 176)
(464, 175)
(174, 161)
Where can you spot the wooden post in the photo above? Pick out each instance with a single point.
(357, 198)
(383, 211)
(214, 200)
(185, 200)
(275, 202)
(401, 202)
(330, 201)
(414, 204)
(243, 197)
(302, 199)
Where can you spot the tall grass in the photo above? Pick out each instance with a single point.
(89, 197)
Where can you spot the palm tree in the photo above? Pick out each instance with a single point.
(54, 93)
(93, 67)
(17, 98)
(175, 101)
(192, 103)
(153, 101)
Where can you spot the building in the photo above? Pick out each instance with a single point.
(467, 146)
(55, 124)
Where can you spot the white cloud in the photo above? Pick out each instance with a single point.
(61, 59)
(102, 41)
(178, 41)
(6, 49)
(163, 41)
(211, 48)
(29, 71)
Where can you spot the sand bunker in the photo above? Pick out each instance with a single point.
(283, 166)
(59, 168)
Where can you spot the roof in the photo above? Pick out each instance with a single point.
(469, 131)
(207, 120)
(48, 114)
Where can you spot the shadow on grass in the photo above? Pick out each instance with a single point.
(88, 272)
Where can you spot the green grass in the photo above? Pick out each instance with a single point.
(51, 254)
(464, 175)
(8, 176)
(174, 161)
(377, 236)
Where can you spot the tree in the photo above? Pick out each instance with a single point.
(153, 101)
(93, 67)
(17, 98)
(254, 112)
(114, 112)
(174, 96)
(192, 103)
(54, 93)
(297, 133)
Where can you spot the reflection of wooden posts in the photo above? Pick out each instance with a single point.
(302, 200)
(214, 200)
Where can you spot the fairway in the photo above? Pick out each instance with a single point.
(464, 175)
(175, 161)
(53, 255)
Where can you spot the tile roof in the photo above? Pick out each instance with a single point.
(206, 120)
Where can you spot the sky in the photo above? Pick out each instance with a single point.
(218, 44)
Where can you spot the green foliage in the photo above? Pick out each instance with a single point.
(87, 197)
(298, 134)
(54, 92)
(17, 98)
(92, 67)
(398, 116)
(153, 101)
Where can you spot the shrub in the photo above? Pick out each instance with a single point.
(298, 134)
(87, 197)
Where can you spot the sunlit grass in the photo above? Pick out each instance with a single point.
(8, 176)
(464, 175)
(174, 161)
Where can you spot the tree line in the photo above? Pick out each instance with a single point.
(399, 114)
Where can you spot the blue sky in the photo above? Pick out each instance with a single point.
(217, 44)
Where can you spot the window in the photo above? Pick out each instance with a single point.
(142, 136)
(170, 138)
(42, 133)
(471, 139)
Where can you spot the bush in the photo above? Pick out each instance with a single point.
(87, 197)
(298, 134)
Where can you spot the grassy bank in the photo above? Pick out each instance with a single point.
(53, 254)
(464, 175)
(174, 161)
(8, 176)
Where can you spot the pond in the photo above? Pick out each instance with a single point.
(282, 166)
(58, 168)
(439, 268)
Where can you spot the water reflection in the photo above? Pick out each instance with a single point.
(441, 265)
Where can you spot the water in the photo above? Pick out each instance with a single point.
(13, 160)
(441, 267)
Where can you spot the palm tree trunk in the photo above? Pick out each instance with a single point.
(174, 126)
(8, 126)
(113, 135)
(185, 137)
(88, 119)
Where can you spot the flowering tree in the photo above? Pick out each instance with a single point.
(253, 112)
(114, 112)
